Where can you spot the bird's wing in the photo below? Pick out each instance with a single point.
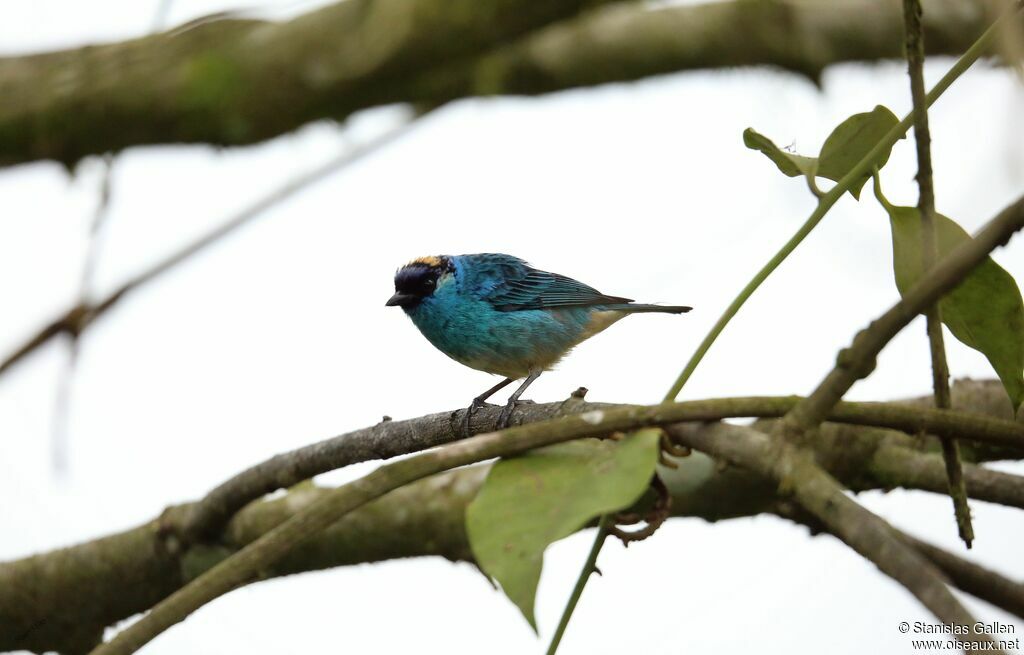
(524, 287)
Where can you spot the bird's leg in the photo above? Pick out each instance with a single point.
(479, 401)
(506, 413)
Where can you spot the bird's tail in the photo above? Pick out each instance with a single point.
(642, 309)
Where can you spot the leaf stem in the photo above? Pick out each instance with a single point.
(589, 567)
(827, 200)
(912, 12)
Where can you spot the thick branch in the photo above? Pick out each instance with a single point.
(231, 82)
(245, 565)
(900, 467)
(792, 464)
(820, 494)
(63, 599)
(393, 438)
(967, 576)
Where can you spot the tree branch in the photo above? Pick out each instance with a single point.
(242, 81)
(394, 438)
(789, 461)
(895, 466)
(63, 599)
(820, 494)
(76, 319)
(233, 82)
(930, 252)
(858, 360)
(967, 576)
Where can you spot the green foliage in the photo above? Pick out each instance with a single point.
(851, 141)
(984, 311)
(844, 148)
(791, 164)
(530, 501)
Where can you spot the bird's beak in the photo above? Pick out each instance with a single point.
(400, 299)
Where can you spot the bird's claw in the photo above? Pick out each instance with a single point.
(468, 415)
(506, 413)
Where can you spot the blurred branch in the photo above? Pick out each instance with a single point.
(75, 320)
(233, 82)
(62, 600)
(66, 382)
(905, 468)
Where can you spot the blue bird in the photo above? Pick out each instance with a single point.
(497, 314)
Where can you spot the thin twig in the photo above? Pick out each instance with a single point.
(826, 201)
(858, 360)
(793, 465)
(62, 406)
(65, 386)
(929, 253)
(81, 316)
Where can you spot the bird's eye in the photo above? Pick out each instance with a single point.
(430, 283)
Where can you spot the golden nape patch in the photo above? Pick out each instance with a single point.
(430, 260)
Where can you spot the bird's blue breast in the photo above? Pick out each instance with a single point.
(459, 321)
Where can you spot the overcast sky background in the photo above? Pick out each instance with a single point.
(279, 336)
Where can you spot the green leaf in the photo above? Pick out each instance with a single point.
(789, 163)
(851, 141)
(530, 501)
(985, 311)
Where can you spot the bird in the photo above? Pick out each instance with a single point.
(495, 313)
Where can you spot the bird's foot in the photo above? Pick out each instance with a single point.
(467, 416)
(506, 413)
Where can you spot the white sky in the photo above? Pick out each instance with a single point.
(279, 337)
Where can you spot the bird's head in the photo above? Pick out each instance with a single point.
(419, 279)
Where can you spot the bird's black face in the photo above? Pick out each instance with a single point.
(416, 281)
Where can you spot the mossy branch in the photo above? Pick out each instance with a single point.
(792, 465)
(62, 600)
(231, 82)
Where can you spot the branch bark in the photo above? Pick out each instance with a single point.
(234, 82)
(63, 599)
(788, 460)
(393, 438)
(797, 473)
(930, 251)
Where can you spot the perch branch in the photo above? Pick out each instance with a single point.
(62, 600)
